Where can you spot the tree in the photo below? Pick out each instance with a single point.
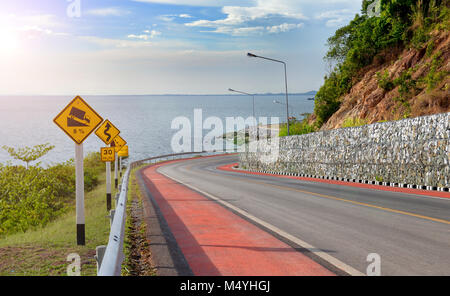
(28, 154)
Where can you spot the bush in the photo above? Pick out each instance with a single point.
(354, 122)
(434, 76)
(33, 196)
(384, 81)
(28, 198)
(405, 82)
(296, 128)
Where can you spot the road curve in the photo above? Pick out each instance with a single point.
(410, 232)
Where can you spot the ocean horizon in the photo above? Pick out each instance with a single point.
(144, 120)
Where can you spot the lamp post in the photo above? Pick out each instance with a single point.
(285, 80)
(244, 93)
(281, 103)
(252, 95)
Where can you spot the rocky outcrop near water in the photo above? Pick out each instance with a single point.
(401, 82)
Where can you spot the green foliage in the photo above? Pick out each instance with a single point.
(401, 23)
(384, 81)
(296, 128)
(29, 154)
(405, 82)
(402, 102)
(327, 98)
(434, 76)
(430, 48)
(420, 37)
(92, 169)
(28, 198)
(354, 121)
(33, 196)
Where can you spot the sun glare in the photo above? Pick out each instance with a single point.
(9, 42)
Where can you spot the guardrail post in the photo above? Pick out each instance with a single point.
(99, 254)
(117, 198)
(111, 216)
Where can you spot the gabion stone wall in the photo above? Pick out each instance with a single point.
(409, 151)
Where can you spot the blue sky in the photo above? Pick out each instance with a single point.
(165, 46)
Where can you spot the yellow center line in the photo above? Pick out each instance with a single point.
(346, 200)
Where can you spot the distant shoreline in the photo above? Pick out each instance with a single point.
(310, 93)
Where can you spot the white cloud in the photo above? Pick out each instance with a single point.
(243, 31)
(149, 34)
(185, 15)
(167, 17)
(237, 15)
(336, 17)
(108, 11)
(35, 31)
(284, 28)
(214, 3)
(238, 18)
(247, 31)
(31, 26)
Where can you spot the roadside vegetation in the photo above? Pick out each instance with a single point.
(37, 215)
(31, 196)
(297, 127)
(136, 244)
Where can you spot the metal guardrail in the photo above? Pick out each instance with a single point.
(110, 264)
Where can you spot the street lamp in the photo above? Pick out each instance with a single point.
(244, 93)
(252, 95)
(290, 106)
(251, 55)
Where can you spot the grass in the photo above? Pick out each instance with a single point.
(354, 122)
(136, 247)
(296, 128)
(43, 251)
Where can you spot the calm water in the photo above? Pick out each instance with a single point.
(144, 121)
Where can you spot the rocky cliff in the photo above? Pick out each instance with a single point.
(400, 83)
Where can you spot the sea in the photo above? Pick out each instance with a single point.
(145, 122)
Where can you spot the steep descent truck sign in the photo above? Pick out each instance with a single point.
(78, 120)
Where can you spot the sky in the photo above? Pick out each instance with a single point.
(133, 47)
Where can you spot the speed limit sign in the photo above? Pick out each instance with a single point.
(108, 154)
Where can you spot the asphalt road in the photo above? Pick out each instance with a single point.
(410, 233)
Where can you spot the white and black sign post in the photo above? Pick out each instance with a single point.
(108, 186)
(78, 120)
(116, 181)
(120, 166)
(107, 132)
(79, 193)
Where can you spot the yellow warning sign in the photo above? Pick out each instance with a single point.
(108, 154)
(78, 120)
(118, 143)
(107, 132)
(123, 152)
